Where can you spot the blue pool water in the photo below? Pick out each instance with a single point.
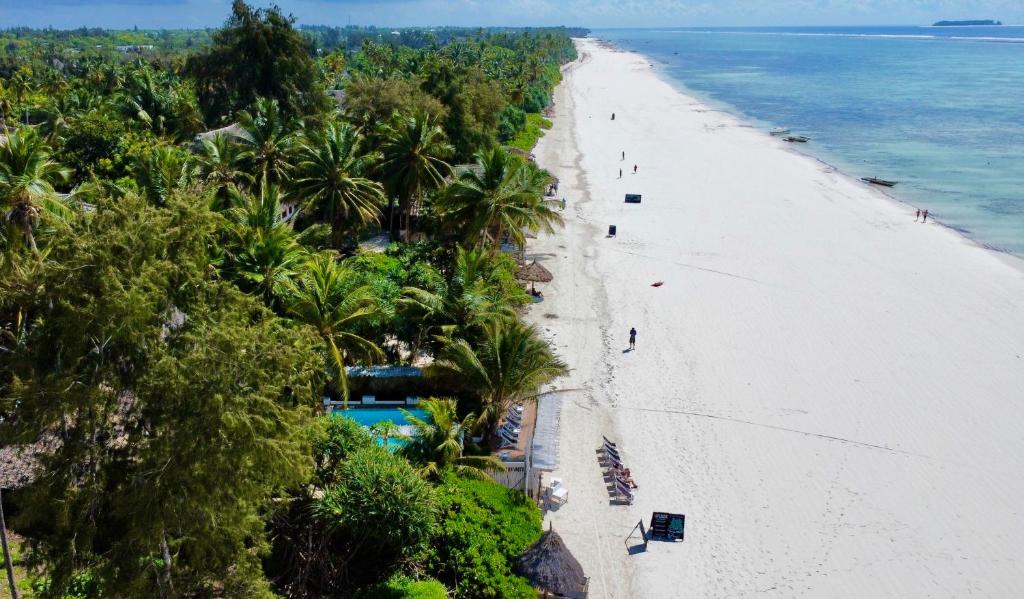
(371, 416)
(938, 109)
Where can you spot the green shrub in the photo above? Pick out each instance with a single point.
(513, 120)
(484, 529)
(527, 138)
(401, 586)
(380, 503)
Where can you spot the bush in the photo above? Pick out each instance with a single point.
(335, 438)
(537, 99)
(400, 586)
(527, 138)
(380, 503)
(484, 529)
(513, 120)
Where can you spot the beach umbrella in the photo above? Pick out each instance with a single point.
(551, 568)
(535, 273)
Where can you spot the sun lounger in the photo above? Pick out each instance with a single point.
(608, 441)
(611, 451)
(624, 492)
(516, 420)
(507, 441)
(626, 482)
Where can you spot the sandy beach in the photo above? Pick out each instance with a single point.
(830, 391)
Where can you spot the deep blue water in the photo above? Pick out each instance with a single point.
(939, 109)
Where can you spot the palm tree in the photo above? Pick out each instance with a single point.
(472, 297)
(508, 366)
(219, 165)
(162, 171)
(438, 440)
(414, 152)
(265, 252)
(330, 177)
(21, 86)
(323, 296)
(504, 197)
(27, 175)
(386, 430)
(269, 141)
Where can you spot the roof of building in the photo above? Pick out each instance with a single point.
(383, 372)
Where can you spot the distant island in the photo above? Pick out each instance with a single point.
(966, 23)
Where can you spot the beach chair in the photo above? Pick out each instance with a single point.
(511, 430)
(611, 451)
(506, 441)
(629, 483)
(513, 418)
(557, 491)
(614, 464)
(624, 492)
(608, 442)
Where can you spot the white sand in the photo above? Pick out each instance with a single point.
(832, 393)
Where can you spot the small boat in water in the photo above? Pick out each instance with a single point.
(778, 131)
(877, 181)
(800, 139)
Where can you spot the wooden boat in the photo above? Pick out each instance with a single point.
(877, 181)
(779, 131)
(800, 139)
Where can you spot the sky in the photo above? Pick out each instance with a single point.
(157, 14)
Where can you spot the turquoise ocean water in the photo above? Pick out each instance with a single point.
(941, 110)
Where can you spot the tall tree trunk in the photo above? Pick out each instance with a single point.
(7, 551)
(166, 551)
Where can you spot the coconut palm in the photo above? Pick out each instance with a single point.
(330, 175)
(386, 430)
(472, 297)
(268, 141)
(437, 442)
(20, 85)
(161, 171)
(324, 296)
(265, 251)
(507, 366)
(414, 152)
(27, 175)
(505, 197)
(219, 165)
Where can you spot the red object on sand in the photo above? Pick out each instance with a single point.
(658, 284)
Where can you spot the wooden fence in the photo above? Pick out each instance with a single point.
(513, 477)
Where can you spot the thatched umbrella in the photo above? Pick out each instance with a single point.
(535, 273)
(551, 568)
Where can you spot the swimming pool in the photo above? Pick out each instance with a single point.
(371, 416)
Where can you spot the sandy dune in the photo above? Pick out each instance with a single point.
(832, 393)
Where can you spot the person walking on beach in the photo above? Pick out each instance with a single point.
(634, 169)
(623, 154)
(632, 338)
(916, 217)
(924, 215)
(620, 173)
(613, 116)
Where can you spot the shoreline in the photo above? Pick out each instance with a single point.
(745, 120)
(818, 382)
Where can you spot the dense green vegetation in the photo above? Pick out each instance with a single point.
(185, 270)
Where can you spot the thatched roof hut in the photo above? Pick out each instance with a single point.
(534, 272)
(552, 569)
